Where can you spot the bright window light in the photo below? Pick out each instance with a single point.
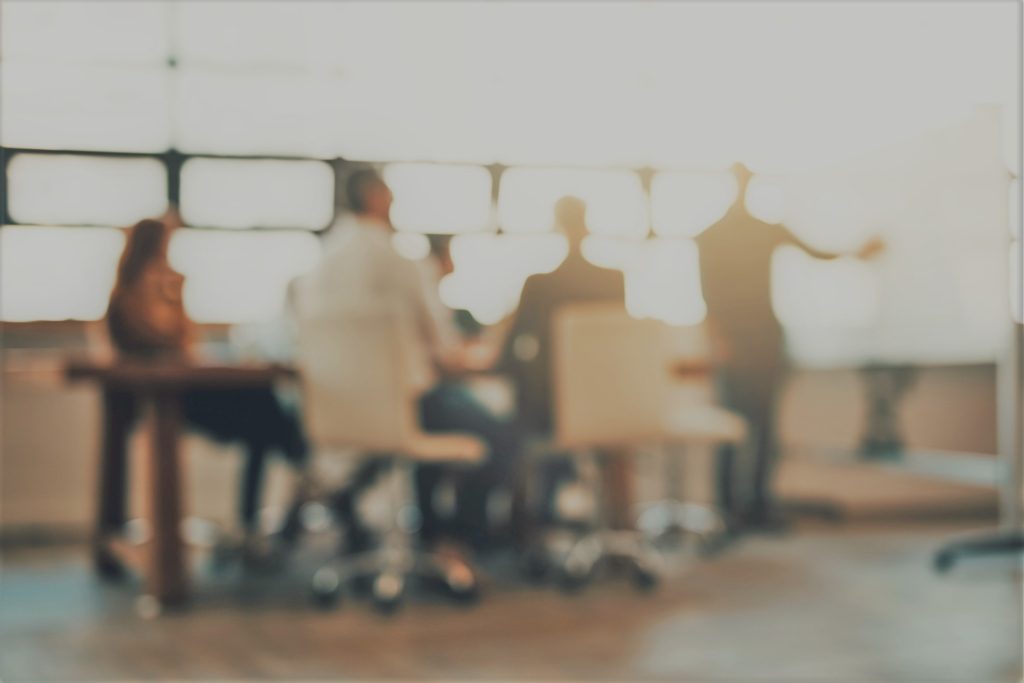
(616, 204)
(438, 199)
(85, 32)
(662, 275)
(271, 112)
(612, 252)
(85, 190)
(808, 293)
(240, 277)
(490, 271)
(230, 193)
(684, 204)
(663, 282)
(765, 199)
(57, 273)
(249, 33)
(73, 106)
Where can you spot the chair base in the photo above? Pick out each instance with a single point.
(666, 517)
(390, 569)
(579, 564)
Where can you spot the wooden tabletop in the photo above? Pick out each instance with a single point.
(175, 373)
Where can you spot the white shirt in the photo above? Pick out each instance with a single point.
(361, 268)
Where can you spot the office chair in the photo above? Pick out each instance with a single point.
(356, 395)
(688, 426)
(692, 420)
(611, 389)
(604, 398)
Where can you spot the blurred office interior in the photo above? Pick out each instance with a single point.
(898, 423)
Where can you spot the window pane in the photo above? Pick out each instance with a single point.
(807, 292)
(83, 190)
(250, 194)
(615, 199)
(765, 200)
(57, 273)
(503, 262)
(663, 282)
(85, 107)
(77, 32)
(440, 199)
(662, 275)
(240, 277)
(687, 203)
(240, 112)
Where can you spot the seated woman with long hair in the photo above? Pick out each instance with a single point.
(147, 319)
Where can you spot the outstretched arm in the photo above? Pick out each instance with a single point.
(789, 238)
(868, 250)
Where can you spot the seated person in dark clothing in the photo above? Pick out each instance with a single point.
(146, 318)
(527, 353)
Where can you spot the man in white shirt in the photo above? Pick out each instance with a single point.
(360, 267)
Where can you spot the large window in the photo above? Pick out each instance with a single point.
(246, 113)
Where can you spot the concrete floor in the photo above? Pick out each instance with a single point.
(821, 604)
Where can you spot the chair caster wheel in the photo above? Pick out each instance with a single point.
(387, 593)
(645, 579)
(535, 566)
(326, 588)
(465, 595)
(573, 580)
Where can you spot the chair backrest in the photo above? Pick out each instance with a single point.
(610, 376)
(355, 385)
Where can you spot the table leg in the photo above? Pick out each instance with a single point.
(618, 489)
(166, 575)
(111, 502)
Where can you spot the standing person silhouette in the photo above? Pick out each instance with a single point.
(736, 277)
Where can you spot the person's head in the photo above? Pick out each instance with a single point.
(368, 194)
(146, 244)
(742, 175)
(571, 220)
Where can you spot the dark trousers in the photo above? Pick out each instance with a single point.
(257, 419)
(750, 392)
(450, 407)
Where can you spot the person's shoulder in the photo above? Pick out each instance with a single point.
(613, 280)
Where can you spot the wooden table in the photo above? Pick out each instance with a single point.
(152, 390)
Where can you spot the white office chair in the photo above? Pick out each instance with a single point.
(691, 419)
(606, 396)
(357, 396)
(611, 381)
